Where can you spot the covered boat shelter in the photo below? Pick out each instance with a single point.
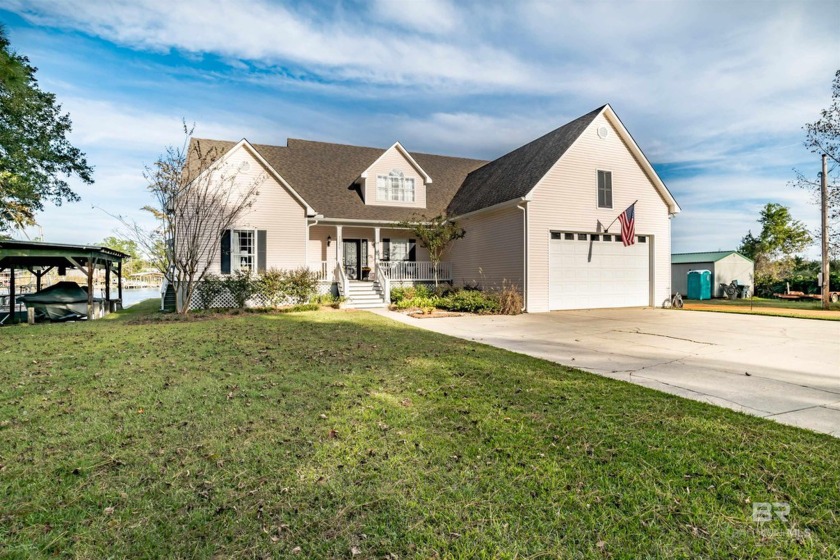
(40, 258)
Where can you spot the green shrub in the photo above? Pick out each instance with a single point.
(241, 286)
(271, 287)
(470, 301)
(300, 284)
(208, 290)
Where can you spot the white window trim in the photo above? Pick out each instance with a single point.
(598, 188)
(234, 250)
(396, 187)
(403, 241)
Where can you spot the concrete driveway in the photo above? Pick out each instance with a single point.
(784, 369)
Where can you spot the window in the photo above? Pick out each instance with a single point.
(242, 251)
(394, 187)
(594, 237)
(642, 239)
(581, 237)
(604, 189)
(569, 236)
(399, 250)
(555, 235)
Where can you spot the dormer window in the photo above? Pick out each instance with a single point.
(394, 187)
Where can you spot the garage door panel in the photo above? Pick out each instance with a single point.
(587, 274)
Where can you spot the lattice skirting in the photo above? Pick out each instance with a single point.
(225, 300)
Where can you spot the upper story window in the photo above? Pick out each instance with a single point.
(394, 187)
(604, 189)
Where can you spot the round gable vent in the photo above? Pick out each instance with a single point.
(246, 166)
(603, 131)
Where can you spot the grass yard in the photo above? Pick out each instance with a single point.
(343, 434)
(805, 309)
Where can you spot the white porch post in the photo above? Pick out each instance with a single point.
(338, 256)
(375, 245)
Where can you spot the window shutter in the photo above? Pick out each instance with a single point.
(261, 247)
(412, 250)
(386, 249)
(226, 252)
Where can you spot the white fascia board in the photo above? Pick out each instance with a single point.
(499, 206)
(673, 207)
(639, 156)
(397, 146)
(273, 172)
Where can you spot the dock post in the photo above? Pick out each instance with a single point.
(12, 295)
(30, 315)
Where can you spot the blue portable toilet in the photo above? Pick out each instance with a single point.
(699, 284)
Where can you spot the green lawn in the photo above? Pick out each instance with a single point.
(344, 434)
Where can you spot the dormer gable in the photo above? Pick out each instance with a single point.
(395, 179)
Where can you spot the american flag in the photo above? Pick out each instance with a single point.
(628, 225)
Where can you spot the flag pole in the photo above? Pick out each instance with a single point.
(607, 230)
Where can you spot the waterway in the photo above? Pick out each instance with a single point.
(130, 297)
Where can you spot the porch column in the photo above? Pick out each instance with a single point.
(376, 245)
(338, 256)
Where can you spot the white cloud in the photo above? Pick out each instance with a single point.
(428, 16)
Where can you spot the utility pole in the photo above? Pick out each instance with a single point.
(824, 208)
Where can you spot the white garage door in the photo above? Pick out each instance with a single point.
(588, 271)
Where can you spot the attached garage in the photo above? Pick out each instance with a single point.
(593, 270)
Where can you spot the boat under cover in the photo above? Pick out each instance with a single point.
(61, 301)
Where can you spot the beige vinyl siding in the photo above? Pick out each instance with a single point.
(390, 160)
(492, 250)
(275, 210)
(566, 199)
(317, 250)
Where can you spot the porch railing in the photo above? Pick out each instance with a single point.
(414, 270)
(343, 283)
(383, 280)
(322, 270)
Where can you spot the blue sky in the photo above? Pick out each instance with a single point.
(715, 93)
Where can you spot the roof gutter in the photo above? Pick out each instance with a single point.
(499, 206)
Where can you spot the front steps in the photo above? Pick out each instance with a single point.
(364, 295)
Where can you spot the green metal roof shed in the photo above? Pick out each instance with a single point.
(39, 258)
(725, 267)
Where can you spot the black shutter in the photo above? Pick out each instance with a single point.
(261, 246)
(386, 249)
(226, 252)
(412, 250)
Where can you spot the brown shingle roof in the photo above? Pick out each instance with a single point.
(323, 174)
(514, 174)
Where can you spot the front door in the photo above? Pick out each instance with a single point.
(355, 257)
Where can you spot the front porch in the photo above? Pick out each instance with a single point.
(352, 257)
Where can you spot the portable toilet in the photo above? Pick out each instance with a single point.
(699, 284)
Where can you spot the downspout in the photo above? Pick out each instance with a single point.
(524, 207)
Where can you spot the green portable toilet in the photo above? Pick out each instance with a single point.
(699, 284)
